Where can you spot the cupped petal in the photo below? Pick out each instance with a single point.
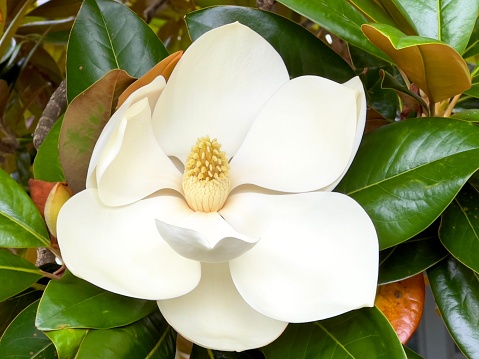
(215, 316)
(119, 249)
(132, 164)
(317, 257)
(205, 237)
(216, 89)
(152, 92)
(302, 140)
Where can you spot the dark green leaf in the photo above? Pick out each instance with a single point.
(471, 115)
(459, 230)
(21, 225)
(456, 290)
(11, 307)
(411, 257)
(17, 274)
(358, 334)
(23, 340)
(472, 48)
(47, 165)
(74, 303)
(411, 354)
(288, 38)
(339, 17)
(106, 36)
(57, 9)
(405, 174)
(149, 338)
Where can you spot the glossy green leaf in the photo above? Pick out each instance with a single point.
(339, 17)
(83, 122)
(450, 21)
(17, 274)
(46, 166)
(359, 334)
(411, 257)
(471, 115)
(108, 35)
(74, 303)
(374, 11)
(403, 23)
(472, 48)
(436, 68)
(405, 174)
(412, 354)
(67, 341)
(21, 225)
(459, 230)
(11, 307)
(287, 37)
(23, 340)
(148, 338)
(456, 291)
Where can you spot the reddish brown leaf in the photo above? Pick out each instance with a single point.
(402, 303)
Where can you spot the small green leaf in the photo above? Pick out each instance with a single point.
(339, 17)
(405, 174)
(21, 225)
(17, 274)
(435, 67)
(107, 35)
(23, 340)
(459, 230)
(11, 307)
(411, 354)
(46, 166)
(287, 37)
(74, 303)
(411, 257)
(359, 334)
(456, 290)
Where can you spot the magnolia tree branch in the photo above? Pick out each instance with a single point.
(55, 106)
(265, 4)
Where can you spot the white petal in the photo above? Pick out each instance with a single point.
(216, 89)
(205, 237)
(355, 84)
(317, 258)
(120, 250)
(132, 164)
(302, 139)
(215, 316)
(151, 91)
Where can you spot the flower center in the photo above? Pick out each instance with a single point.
(206, 182)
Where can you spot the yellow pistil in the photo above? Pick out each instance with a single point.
(206, 182)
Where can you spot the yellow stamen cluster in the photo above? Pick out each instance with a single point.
(206, 181)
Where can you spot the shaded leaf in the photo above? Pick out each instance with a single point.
(359, 334)
(74, 303)
(23, 340)
(339, 17)
(402, 303)
(21, 225)
(434, 67)
(459, 231)
(471, 115)
(202, 353)
(316, 57)
(411, 257)
(412, 354)
(106, 36)
(46, 166)
(57, 9)
(11, 307)
(405, 174)
(83, 122)
(456, 291)
(17, 274)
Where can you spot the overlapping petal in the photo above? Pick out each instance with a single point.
(317, 257)
(302, 139)
(120, 250)
(217, 95)
(214, 315)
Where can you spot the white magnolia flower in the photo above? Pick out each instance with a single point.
(248, 237)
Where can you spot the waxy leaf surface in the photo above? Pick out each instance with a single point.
(405, 174)
(108, 35)
(74, 303)
(21, 225)
(359, 334)
(46, 166)
(11, 307)
(23, 340)
(17, 274)
(316, 57)
(456, 291)
(436, 68)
